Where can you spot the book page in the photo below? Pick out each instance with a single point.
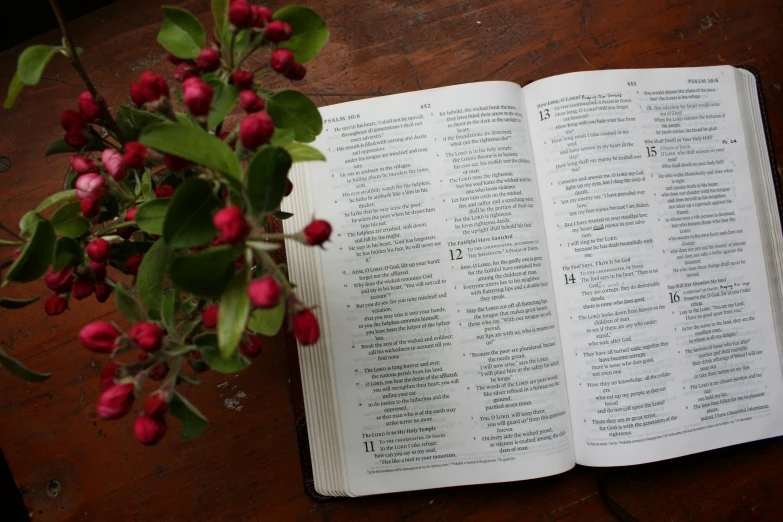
(436, 291)
(657, 261)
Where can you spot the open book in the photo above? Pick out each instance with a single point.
(586, 270)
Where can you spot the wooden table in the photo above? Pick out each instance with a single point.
(246, 466)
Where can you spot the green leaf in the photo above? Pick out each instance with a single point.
(68, 221)
(15, 304)
(231, 364)
(193, 421)
(220, 13)
(60, 197)
(205, 274)
(60, 147)
(186, 119)
(20, 370)
(36, 256)
(188, 221)
(267, 321)
(232, 315)
(33, 61)
(223, 101)
(193, 144)
(146, 186)
(132, 121)
(282, 136)
(279, 214)
(152, 273)
(310, 32)
(67, 252)
(14, 88)
(267, 175)
(181, 33)
(168, 309)
(295, 111)
(128, 306)
(28, 222)
(302, 152)
(208, 346)
(151, 215)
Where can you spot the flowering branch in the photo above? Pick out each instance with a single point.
(73, 56)
(173, 204)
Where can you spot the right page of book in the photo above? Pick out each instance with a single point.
(661, 290)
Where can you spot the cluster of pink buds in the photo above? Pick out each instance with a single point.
(120, 383)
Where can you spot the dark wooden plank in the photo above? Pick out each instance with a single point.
(245, 467)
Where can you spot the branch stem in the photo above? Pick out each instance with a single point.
(73, 56)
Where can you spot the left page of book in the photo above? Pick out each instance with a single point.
(440, 363)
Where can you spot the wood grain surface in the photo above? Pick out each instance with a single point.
(246, 466)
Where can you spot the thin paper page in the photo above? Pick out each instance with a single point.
(659, 277)
(446, 356)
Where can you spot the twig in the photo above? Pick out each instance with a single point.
(11, 232)
(267, 259)
(73, 56)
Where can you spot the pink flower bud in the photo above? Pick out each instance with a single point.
(88, 108)
(108, 374)
(317, 232)
(147, 335)
(175, 163)
(90, 207)
(98, 271)
(256, 130)
(153, 87)
(185, 70)
(156, 405)
(83, 165)
(264, 292)
(112, 162)
(277, 31)
(208, 60)
(59, 282)
(231, 225)
(90, 186)
(76, 138)
(55, 305)
(173, 59)
(159, 372)
(251, 102)
(296, 72)
(242, 79)
(252, 346)
(98, 250)
(305, 327)
(239, 14)
(71, 119)
(102, 292)
(82, 287)
(197, 95)
(164, 191)
(281, 60)
(99, 336)
(133, 263)
(137, 95)
(149, 430)
(135, 155)
(209, 317)
(130, 215)
(289, 187)
(260, 16)
(115, 402)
